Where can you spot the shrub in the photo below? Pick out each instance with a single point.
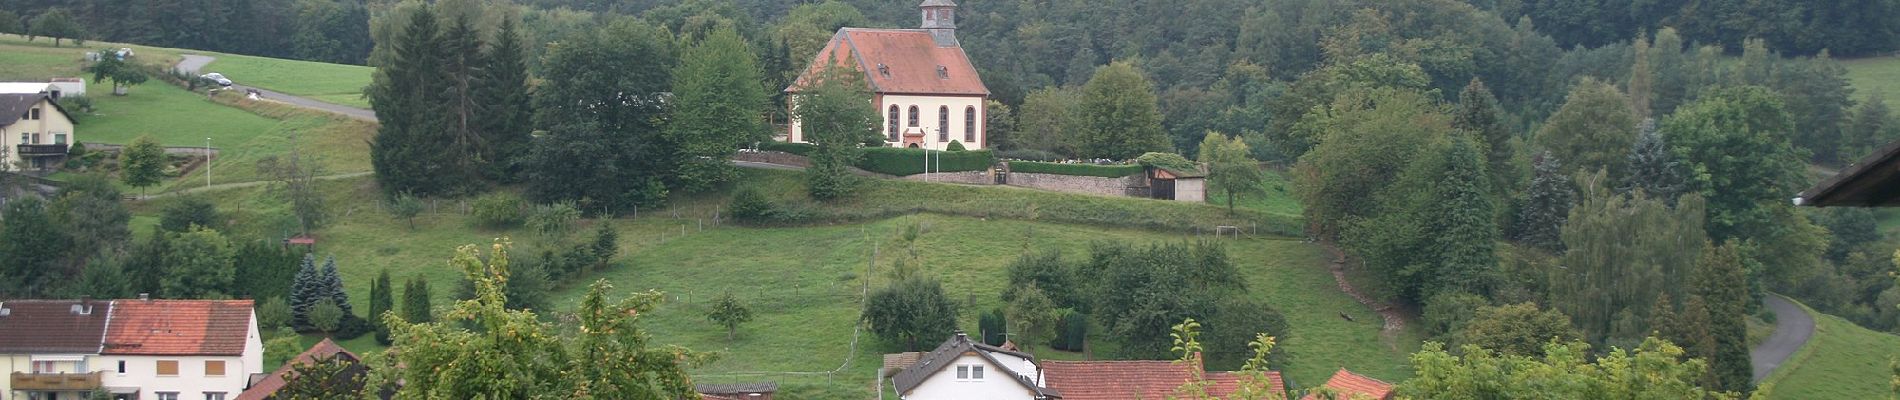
(1072, 331)
(498, 210)
(273, 313)
(554, 219)
(77, 150)
(1028, 155)
(186, 212)
(803, 149)
(1105, 171)
(992, 326)
(326, 316)
(351, 327)
(901, 162)
(749, 206)
(1165, 160)
(954, 146)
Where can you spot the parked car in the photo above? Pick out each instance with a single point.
(219, 78)
(124, 52)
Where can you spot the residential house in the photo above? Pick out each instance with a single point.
(55, 88)
(50, 348)
(180, 349)
(962, 369)
(1347, 385)
(736, 391)
(923, 84)
(323, 351)
(1140, 379)
(34, 131)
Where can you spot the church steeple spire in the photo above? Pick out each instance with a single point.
(940, 18)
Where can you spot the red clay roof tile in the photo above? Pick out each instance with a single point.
(1352, 385)
(325, 349)
(899, 61)
(178, 327)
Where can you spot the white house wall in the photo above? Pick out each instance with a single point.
(927, 107)
(996, 384)
(191, 382)
(51, 122)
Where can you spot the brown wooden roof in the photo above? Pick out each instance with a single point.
(1872, 182)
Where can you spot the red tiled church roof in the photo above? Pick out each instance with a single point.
(52, 326)
(899, 61)
(325, 349)
(1350, 385)
(178, 327)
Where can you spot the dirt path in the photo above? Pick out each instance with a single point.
(235, 185)
(193, 62)
(1793, 328)
(1394, 321)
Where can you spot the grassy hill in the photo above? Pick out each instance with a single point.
(332, 83)
(1875, 75)
(242, 130)
(1841, 361)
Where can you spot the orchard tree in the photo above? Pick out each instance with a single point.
(729, 312)
(406, 207)
(58, 24)
(1232, 168)
(831, 111)
(910, 311)
(1119, 118)
(718, 105)
(142, 163)
(122, 74)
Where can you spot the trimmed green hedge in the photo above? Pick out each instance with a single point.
(803, 149)
(1105, 171)
(901, 162)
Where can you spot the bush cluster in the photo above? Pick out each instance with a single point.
(1105, 171)
(803, 149)
(499, 210)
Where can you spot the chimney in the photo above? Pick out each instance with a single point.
(145, 297)
(962, 337)
(940, 19)
(4, 311)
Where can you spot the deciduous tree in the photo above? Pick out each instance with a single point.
(1231, 166)
(910, 311)
(718, 105)
(59, 24)
(142, 163)
(32, 243)
(1516, 329)
(1621, 254)
(198, 265)
(729, 313)
(1594, 130)
(121, 73)
(831, 111)
(1119, 117)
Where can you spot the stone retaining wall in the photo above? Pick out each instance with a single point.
(965, 177)
(773, 157)
(1114, 187)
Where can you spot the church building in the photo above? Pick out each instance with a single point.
(924, 86)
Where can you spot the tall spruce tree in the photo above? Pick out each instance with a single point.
(1872, 126)
(1546, 205)
(381, 300)
(305, 291)
(1478, 113)
(461, 149)
(717, 105)
(415, 301)
(1722, 283)
(330, 286)
(506, 121)
(408, 95)
(1462, 226)
(1654, 169)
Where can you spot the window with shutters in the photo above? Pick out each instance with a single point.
(943, 123)
(969, 126)
(214, 367)
(893, 123)
(167, 368)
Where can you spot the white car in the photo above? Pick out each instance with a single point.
(219, 78)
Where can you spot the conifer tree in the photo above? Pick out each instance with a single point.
(1721, 282)
(304, 291)
(460, 148)
(415, 301)
(1462, 227)
(1654, 169)
(1547, 205)
(1478, 113)
(381, 300)
(407, 95)
(505, 121)
(331, 286)
(717, 105)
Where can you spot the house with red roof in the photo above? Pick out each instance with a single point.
(1348, 385)
(180, 349)
(922, 83)
(324, 351)
(962, 369)
(49, 347)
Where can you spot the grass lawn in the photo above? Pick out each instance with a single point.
(805, 282)
(1841, 361)
(333, 83)
(38, 60)
(1875, 75)
(1275, 196)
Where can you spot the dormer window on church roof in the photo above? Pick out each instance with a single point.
(943, 72)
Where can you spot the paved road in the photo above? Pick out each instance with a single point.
(192, 63)
(1793, 327)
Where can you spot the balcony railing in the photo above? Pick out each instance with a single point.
(56, 381)
(40, 150)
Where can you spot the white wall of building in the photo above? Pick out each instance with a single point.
(191, 381)
(61, 363)
(997, 384)
(927, 109)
